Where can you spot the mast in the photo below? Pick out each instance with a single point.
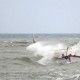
(67, 51)
(34, 39)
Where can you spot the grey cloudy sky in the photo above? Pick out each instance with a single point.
(39, 16)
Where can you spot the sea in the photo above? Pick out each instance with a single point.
(18, 63)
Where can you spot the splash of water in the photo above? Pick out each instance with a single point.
(75, 49)
(50, 51)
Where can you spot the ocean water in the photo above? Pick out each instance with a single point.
(18, 63)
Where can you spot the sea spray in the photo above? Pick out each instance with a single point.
(75, 50)
(51, 51)
(48, 51)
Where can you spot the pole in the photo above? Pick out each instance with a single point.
(34, 40)
(67, 51)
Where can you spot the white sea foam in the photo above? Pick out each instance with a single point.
(50, 51)
(75, 49)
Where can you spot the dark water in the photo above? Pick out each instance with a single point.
(16, 63)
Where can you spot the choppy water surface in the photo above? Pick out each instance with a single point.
(16, 63)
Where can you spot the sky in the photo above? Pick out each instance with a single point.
(39, 16)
